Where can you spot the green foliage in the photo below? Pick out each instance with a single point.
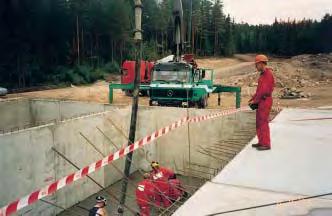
(73, 77)
(149, 51)
(286, 38)
(78, 75)
(111, 67)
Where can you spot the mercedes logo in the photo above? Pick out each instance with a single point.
(169, 93)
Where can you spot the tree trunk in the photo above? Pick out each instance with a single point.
(91, 47)
(216, 42)
(112, 50)
(200, 42)
(193, 40)
(162, 43)
(156, 42)
(82, 41)
(18, 69)
(97, 48)
(166, 41)
(78, 40)
(121, 50)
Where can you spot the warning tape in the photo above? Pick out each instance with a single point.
(57, 185)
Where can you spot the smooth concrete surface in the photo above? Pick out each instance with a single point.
(298, 165)
(215, 198)
(14, 114)
(24, 113)
(299, 160)
(28, 163)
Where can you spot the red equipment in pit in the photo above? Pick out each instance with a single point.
(176, 191)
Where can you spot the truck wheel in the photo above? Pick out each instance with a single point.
(128, 93)
(203, 103)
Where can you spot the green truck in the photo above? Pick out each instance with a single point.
(180, 84)
(177, 81)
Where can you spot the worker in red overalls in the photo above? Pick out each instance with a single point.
(145, 195)
(176, 190)
(262, 101)
(160, 176)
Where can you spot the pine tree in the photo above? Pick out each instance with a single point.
(229, 37)
(218, 23)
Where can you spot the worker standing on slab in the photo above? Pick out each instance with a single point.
(145, 194)
(262, 103)
(99, 209)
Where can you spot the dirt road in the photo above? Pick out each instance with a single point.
(229, 71)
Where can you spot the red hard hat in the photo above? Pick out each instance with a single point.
(261, 58)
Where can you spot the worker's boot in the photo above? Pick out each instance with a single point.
(263, 148)
(256, 145)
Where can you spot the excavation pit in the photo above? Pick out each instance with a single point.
(31, 129)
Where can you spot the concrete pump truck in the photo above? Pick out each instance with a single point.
(177, 80)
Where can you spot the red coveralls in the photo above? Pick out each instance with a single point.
(160, 177)
(263, 98)
(176, 189)
(145, 194)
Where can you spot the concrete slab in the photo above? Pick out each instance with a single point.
(215, 198)
(298, 164)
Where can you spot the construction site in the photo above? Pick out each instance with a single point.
(65, 149)
(38, 127)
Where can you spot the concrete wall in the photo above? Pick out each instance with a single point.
(179, 149)
(24, 113)
(48, 110)
(14, 113)
(28, 162)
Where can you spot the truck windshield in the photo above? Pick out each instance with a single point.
(171, 76)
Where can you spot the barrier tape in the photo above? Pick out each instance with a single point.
(57, 185)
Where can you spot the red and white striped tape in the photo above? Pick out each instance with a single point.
(57, 185)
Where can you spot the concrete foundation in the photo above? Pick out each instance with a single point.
(27, 161)
(297, 166)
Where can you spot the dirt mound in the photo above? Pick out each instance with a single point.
(313, 60)
(297, 72)
(319, 66)
(217, 63)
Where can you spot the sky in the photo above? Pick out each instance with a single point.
(265, 11)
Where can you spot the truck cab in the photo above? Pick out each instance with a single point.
(180, 84)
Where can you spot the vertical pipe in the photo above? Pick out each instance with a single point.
(110, 94)
(132, 129)
(190, 24)
(134, 108)
(238, 98)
